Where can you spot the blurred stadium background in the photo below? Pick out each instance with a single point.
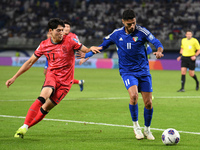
(23, 23)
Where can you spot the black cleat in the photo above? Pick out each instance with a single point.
(181, 90)
(197, 86)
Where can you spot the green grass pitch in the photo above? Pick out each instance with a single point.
(98, 118)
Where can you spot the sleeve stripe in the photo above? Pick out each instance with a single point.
(79, 47)
(36, 55)
(145, 31)
(113, 32)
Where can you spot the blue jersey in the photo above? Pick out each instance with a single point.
(149, 50)
(131, 49)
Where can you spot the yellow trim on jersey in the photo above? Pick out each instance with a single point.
(189, 46)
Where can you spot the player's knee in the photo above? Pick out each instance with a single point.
(41, 99)
(133, 98)
(148, 104)
(191, 74)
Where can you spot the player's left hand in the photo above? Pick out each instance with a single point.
(80, 54)
(158, 54)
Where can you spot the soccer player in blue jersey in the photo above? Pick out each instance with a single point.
(134, 66)
(149, 50)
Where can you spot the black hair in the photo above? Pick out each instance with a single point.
(128, 14)
(188, 30)
(67, 22)
(54, 22)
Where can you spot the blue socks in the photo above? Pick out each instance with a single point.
(148, 116)
(134, 112)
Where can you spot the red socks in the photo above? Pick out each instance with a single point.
(33, 110)
(76, 81)
(40, 115)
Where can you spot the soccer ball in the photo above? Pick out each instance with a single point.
(170, 137)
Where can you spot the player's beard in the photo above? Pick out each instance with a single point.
(130, 30)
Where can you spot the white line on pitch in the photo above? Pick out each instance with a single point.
(108, 98)
(81, 98)
(104, 124)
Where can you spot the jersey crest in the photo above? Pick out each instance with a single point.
(64, 48)
(135, 39)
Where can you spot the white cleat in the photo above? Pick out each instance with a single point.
(149, 135)
(138, 133)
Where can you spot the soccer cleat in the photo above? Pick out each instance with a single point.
(149, 135)
(138, 133)
(181, 90)
(81, 85)
(197, 86)
(20, 132)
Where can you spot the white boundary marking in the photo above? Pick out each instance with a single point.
(107, 98)
(94, 123)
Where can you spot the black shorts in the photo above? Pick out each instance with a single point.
(188, 63)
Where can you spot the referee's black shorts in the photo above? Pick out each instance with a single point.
(188, 63)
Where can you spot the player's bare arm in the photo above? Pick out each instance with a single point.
(94, 49)
(27, 65)
(159, 53)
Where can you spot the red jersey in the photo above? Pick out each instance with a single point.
(60, 56)
(72, 35)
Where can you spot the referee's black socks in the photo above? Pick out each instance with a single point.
(182, 81)
(195, 78)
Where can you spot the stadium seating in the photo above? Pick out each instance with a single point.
(94, 19)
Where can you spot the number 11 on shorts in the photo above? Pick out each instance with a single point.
(127, 82)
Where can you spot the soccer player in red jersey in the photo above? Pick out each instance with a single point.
(59, 51)
(68, 33)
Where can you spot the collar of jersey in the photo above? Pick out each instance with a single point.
(55, 43)
(127, 33)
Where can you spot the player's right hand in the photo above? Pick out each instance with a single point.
(9, 82)
(158, 54)
(95, 49)
(178, 58)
